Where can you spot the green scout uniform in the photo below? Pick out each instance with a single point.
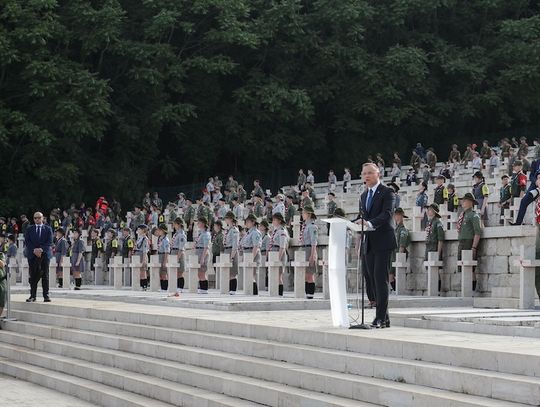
(217, 244)
(434, 235)
(468, 227)
(403, 238)
(331, 208)
(453, 202)
(306, 201)
(258, 210)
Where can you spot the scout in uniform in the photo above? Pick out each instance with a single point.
(505, 196)
(519, 180)
(535, 194)
(111, 250)
(469, 229)
(434, 233)
(257, 189)
(178, 248)
(242, 194)
(258, 207)
(217, 240)
(397, 199)
(203, 252)
(163, 249)
(279, 206)
(305, 200)
(455, 155)
(97, 248)
(60, 251)
(331, 207)
(77, 259)
(440, 194)
(231, 240)
(252, 243)
(142, 247)
(279, 242)
(268, 208)
(137, 217)
(237, 208)
(403, 240)
(480, 192)
(3, 282)
(290, 211)
(309, 236)
(453, 199)
(189, 218)
(264, 228)
(127, 243)
(221, 209)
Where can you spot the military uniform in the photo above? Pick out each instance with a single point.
(434, 235)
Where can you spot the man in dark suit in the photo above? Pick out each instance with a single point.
(379, 241)
(38, 241)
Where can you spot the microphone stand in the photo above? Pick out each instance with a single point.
(362, 324)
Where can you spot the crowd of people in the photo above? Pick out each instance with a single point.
(225, 218)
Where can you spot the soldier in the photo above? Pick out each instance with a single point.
(480, 192)
(77, 258)
(309, 236)
(178, 247)
(440, 194)
(434, 233)
(203, 251)
(453, 199)
(163, 249)
(60, 251)
(97, 248)
(505, 196)
(279, 242)
(217, 240)
(251, 242)
(469, 229)
(403, 240)
(231, 241)
(189, 218)
(142, 247)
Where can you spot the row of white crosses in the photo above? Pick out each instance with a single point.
(433, 265)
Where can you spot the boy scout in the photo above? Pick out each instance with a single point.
(403, 240)
(127, 243)
(434, 231)
(251, 243)
(309, 236)
(202, 250)
(60, 251)
(258, 207)
(480, 192)
(305, 200)
(453, 199)
(97, 248)
(163, 250)
(111, 249)
(469, 229)
(505, 196)
(279, 242)
(77, 258)
(237, 208)
(178, 247)
(231, 240)
(440, 194)
(142, 247)
(290, 210)
(189, 218)
(217, 240)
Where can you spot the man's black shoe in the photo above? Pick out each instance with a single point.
(46, 299)
(387, 322)
(378, 324)
(31, 299)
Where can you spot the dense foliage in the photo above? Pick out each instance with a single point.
(109, 96)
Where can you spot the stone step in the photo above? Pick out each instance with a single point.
(469, 352)
(218, 352)
(494, 302)
(93, 392)
(164, 380)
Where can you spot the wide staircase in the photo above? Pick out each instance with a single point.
(121, 358)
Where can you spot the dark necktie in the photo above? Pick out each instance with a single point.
(369, 199)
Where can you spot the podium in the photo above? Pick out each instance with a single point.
(337, 269)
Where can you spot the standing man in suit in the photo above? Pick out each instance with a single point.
(379, 240)
(38, 241)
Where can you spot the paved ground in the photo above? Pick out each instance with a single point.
(18, 393)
